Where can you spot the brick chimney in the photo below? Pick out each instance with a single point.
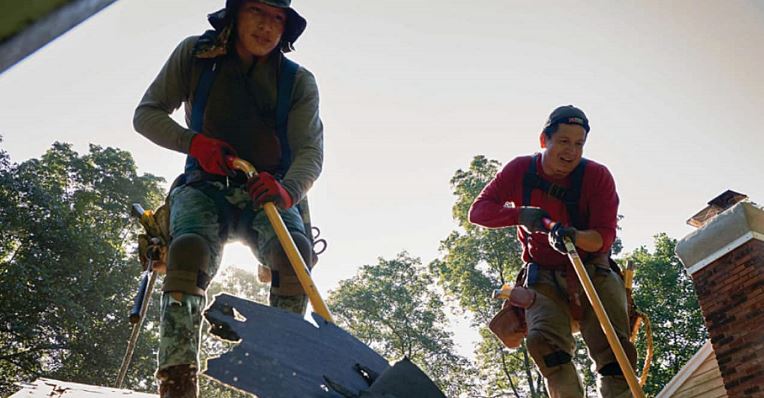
(725, 258)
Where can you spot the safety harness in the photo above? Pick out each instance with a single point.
(570, 197)
(286, 77)
(287, 73)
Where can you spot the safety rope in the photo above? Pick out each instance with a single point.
(640, 318)
(643, 319)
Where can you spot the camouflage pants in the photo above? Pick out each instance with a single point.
(218, 214)
(550, 333)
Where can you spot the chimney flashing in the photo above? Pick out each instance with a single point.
(715, 206)
(720, 235)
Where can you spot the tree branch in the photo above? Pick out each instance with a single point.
(505, 370)
(8, 357)
(528, 374)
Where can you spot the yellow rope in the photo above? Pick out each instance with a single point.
(649, 351)
(641, 318)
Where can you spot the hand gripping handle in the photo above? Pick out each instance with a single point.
(300, 268)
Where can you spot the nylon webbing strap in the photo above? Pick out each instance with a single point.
(209, 70)
(287, 75)
(201, 95)
(569, 196)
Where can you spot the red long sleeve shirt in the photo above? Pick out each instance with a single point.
(496, 207)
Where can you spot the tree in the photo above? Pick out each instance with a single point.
(663, 290)
(392, 307)
(476, 261)
(67, 272)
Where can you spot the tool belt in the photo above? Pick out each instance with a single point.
(197, 175)
(573, 289)
(153, 243)
(573, 285)
(509, 325)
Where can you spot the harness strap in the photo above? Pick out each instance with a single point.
(286, 78)
(287, 73)
(570, 197)
(209, 71)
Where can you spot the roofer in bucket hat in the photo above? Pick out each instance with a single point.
(241, 97)
(559, 184)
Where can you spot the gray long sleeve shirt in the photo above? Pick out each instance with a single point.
(240, 110)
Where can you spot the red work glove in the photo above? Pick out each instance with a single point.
(211, 153)
(264, 188)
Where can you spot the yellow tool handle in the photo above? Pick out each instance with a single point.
(607, 327)
(503, 293)
(628, 275)
(628, 278)
(300, 268)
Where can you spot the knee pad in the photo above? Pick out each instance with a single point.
(187, 265)
(561, 377)
(557, 358)
(611, 369)
(284, 280)
(605, 355)
(547, 357)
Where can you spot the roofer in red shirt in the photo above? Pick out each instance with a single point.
(580, 195)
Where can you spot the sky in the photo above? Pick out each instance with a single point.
(411, 91)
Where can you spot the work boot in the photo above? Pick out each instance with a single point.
(614, 387)
(177, 381)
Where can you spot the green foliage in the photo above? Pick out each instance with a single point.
(617, 246)
(476, 261)
(239, 282)
(67, 276)
(392, 307)
(506, 373)
(68, 273)
(585, 365)
(663, 290)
